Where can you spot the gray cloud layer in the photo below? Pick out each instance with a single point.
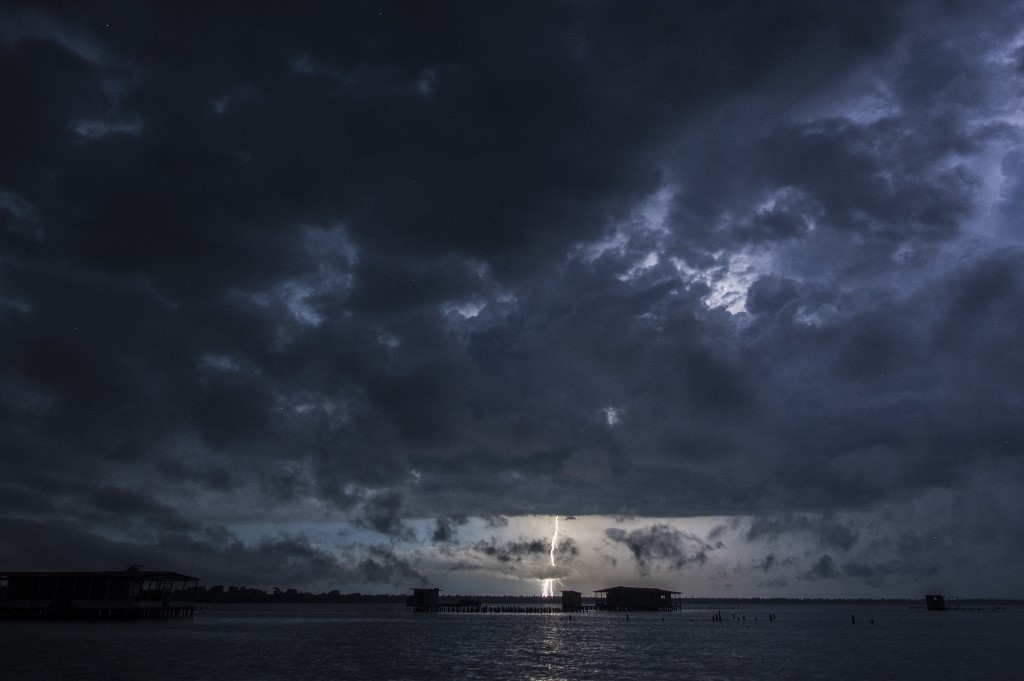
(390, 261)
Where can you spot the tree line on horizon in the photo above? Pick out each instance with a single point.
(244, 594)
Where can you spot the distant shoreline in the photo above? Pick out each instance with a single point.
(247, 595)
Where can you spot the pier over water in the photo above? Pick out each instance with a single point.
(128, 594)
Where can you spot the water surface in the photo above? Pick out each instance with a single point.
(264, 642)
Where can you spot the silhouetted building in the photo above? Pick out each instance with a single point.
(130, 594)
(572, 601)
(636, 598)
(935, 602)
(423, 599)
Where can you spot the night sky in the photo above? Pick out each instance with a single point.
(362, 295)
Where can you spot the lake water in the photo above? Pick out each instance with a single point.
(256, 642)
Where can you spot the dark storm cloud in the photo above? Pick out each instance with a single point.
(446, 529)
(382, 511)
(524, 557)
(379, 261)
(383, 566)
(495, 521)
(1012, 204)
(875, 573)
(121, 504)
(662, 547)
(823, 568)
(826, 532)
(512, 551)
(215, 554)
(911, 554)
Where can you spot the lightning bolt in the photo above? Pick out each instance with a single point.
(548, 585)
(554, 543)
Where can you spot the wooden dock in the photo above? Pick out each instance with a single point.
(497, 609)
(94, 610)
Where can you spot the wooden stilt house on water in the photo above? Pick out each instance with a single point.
(636, 598)
(129, 594)
(572, 601)
(423, 600)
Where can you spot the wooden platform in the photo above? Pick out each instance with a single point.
(498, 609)
(131, 594)
(94, 610)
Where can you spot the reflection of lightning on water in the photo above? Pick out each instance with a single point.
(548, 585)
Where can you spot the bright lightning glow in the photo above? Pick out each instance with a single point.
(554, 543)
(548, 585)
